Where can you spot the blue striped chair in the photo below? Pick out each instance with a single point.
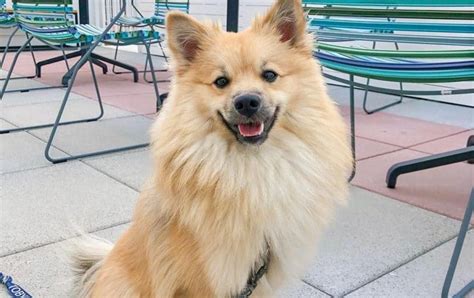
(52, 23)
(162, 7)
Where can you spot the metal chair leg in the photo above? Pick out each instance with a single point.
(153, 75)
(364, 104)
(12, 67)
(61, 111)
(457, 252)
(371, 111)
(116, 50)
(84, 59)
(7, 46)
(470, 142)
(427, 162)
(145, 71)
(17, 129)
(10, 71)
(352, 116)
(131, 69)
(163, 51)
(42, 63)
(102, 65)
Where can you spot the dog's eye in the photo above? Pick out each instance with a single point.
(221, 82)
(269, 76)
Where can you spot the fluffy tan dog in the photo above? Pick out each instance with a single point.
(251, 157)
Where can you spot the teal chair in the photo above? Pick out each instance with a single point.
(7, 21)
(52, 23)
(157, 21)
(339, 23)
(440, 23)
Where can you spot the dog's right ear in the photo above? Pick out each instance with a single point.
(286, 18)
(185, 36)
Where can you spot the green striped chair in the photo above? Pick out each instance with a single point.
(339, 24)
(387, 21)
(52, 22)
(444, 33)
(162, 7)
(7, 21)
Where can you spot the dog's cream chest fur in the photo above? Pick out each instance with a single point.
(274, 193)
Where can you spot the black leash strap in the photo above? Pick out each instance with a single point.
(255, 276)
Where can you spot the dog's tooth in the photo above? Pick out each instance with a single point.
(262, 127)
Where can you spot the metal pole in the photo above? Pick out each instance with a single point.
(84, 11)
(232, 15)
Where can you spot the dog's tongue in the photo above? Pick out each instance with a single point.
(251, 129)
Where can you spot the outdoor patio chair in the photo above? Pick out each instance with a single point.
(157, 21)
(343, 21)
(52, 22)
(7, 21)
(417, 22)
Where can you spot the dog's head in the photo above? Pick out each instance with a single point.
(241, 82)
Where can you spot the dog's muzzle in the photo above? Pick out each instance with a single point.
(249, 119)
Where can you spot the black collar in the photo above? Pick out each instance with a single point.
(255, 276)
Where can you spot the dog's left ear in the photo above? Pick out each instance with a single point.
(186, 37)
(286, 17)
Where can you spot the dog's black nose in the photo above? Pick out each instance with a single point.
(247, 104)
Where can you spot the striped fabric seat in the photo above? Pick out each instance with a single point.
(393, 3)
(384, 26)
(347, 34)
(400, 71)
(6, 19)
(391, 63)
(52, 21)
(337, 22)
(162, 7)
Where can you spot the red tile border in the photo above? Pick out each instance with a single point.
(453, 142)
(443, 190)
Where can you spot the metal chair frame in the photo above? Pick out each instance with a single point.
(87, 57)
(145, 71)
(15, 28)
(84, 59)
(5, 52)
(97, 60)
(390, 68)
(10, 72)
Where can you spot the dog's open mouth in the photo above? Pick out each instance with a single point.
(251, 131)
